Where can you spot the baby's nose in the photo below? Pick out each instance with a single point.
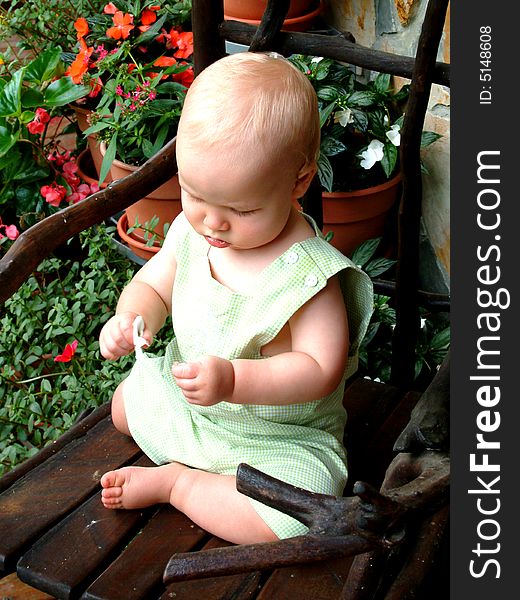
(216, 221)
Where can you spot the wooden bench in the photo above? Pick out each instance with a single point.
(60, 539)
(54, 531)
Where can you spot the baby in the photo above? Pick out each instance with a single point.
(262, 344)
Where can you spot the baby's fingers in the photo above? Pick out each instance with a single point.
(185, 370)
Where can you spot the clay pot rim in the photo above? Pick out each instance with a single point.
(365, 191)
(287, 23)
(122, 226)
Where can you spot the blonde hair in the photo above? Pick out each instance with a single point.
(253, 102)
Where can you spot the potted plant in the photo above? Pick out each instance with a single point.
(300, 15)
(358, 164)
(38, 172)
(136, 58)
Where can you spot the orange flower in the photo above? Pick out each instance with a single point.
(81, 26)
(165, 61)
(123, 25)
(184, 43)
(186, 77)
(80, 65)
(147, 18)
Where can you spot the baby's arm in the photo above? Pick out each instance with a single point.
(148, 294)
(312, 369)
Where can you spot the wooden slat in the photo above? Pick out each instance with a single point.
(319, 581)
(238, 587)
(37, 501)
(67, 558)
(78, 430)
(137, 572)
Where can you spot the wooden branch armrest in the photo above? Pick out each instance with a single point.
(41, 239)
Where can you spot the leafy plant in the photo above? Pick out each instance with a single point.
(40, 397)
(375, 354)
(136, 58)
(360, 124)
(32, 101)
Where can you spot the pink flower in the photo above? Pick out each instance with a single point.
(10, 231)
(53, 194)
(68, 353)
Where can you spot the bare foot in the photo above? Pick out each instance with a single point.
(138, 487)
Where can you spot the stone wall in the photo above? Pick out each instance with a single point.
(394, 26)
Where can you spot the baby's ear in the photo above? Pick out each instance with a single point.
(304, 179)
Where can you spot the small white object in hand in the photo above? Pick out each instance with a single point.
(137, 333)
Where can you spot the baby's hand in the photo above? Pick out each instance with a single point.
(206, 381)
(116, 337)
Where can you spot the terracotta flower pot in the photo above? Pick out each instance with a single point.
(360, 215)
(87, 170)
(93, 142)
(164, 202)
(138, 247)
(254, 9)
(297, 23)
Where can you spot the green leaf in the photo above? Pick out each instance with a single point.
(428, 137)
(10, 103)
(389, 160)
(43, 67)
(328, 93)
(379, 265)
(326, 112)
(7, 140)
(64, 91)
(108, 159)
(331, 146)
(361, 99)
(364, 252)
(382, 83)
(32, 97)
(325, 173)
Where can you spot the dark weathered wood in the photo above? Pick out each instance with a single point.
(41, 239)
(208, 46)
(407, 271)
(65, 560)
(77, 430)
(270, 26)
(322, 581)
(236, 587)
(363, 577)
(336, 47)
(433, 301)
(138, 570)
(239, 559)
(420, 558)
(377, 451)
(430, 419)
(37, 501)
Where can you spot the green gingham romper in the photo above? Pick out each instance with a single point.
(298, 443)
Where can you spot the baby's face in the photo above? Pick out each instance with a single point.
(231, 201)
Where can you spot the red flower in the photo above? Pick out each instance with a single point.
(53, 194)
(184, 43)
(37, 125)
(165, 61)
(123, 25)
(68, 353)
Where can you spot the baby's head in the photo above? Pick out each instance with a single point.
(252, 107)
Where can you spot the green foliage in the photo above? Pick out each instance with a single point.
(62, 302)
(360, 124)
(375, 354)
(41, 25)
(25, 94)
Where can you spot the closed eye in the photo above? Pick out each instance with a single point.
(243, 213)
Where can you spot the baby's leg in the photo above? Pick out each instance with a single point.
(208, 499)
(118, 411)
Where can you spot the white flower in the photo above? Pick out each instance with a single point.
(394, 135)
(316, 59)
(423, 322)
(343, 117)
(373, 154)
